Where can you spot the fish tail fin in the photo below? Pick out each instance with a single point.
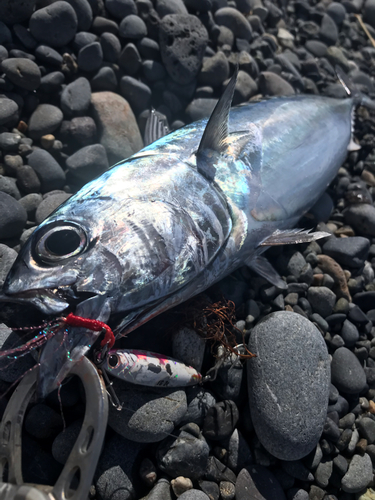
(359, 98)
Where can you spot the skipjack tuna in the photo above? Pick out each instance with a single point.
(187, 210)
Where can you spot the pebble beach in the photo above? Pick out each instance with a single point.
(78, 79)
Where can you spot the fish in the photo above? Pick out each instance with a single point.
(184, 212)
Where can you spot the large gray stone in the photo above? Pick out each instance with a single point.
(117, 127)
(289, 383)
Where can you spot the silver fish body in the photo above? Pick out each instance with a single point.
(155, 230)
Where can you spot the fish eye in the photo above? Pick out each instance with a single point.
(113, 360)
(61, 242)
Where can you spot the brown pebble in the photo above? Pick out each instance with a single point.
(180, 485)
(371, 407)
(361, 446)
(22, 126)
(368, 177)
(331, 267)
(317, 280)
(47, 141)
(147, 472)
(289, 308)
(345, 231)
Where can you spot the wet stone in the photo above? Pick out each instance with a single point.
(90, 57)
(348, 252)
(346, 371)
(8, 110)
(149, 416)
(220, 420)
(54, 25)
(88, 162)
(44, 120)
(322, 300)
(235, 21)
(183, 40)
(48, 205)
(258, 482)
(48, 55)
(359, 474)
(22, 72)
(132, 27)
(75, 98)
(301, 383)
(50, 174)
(12, 216)
(185, 455)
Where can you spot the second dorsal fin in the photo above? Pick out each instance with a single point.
(213, 142)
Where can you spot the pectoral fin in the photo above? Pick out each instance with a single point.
(262, 267)
(292, 236)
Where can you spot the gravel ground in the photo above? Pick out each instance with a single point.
(77, 81)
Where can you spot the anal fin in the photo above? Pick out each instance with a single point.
(293, 236)
(262, 267)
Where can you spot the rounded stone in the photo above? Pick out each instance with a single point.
(48, 205)
(27, 179)
(12, 216)
(90, 57)
(7, 258)
(22, 72)
(321, 299)
(52, 82)
(111, 47)
(362, 218)
(347, 373)
(132, 27)
(75, 98)
(220, 420)
(83, 12)
(117, 128)
(235, 21)
(359, 474)
(148, 416)
(48, 55)
(183, 40)
(121, 8)
(88, 162)
(215, 70)
(48, 170)
(16, 11)
(55, 24)
(257, 482)
(8, 110)
(350, 252)
(289, 383)
(274, 85)
(137, 93)
(45, 120)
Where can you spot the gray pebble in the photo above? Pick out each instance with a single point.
(217, 471)
(259, 483)
(274, 85)
(16, 11)
(349, 333)
(337, 12)
(138, 94)
(153, 70)
(48, 205)
(28, 180)
(362, 218)
(55, 24)
(75, 98)
(183, 40)
(8, 185)
(7, 258)
(348, 252)
(346, 371)
(9, 141)
(121, 8)
(48, 170)
(200, 108)
(220, 420)
(88, 162)
(244, 89)
(194, 494)
(289, 383)
(44, 120)
(199, 402)
(322, 300)
(8, 110)
(111, 47)
(49, 55)
(12, 216)
(104, 79)
(82, 39)
(366, 428)
(148, 416)
(90, 57)
(215, 70)
(317, 48)
(132, 27)
(30, 202)
(188, 347)
(130, 60)
(83, 12)
(184, 455)
(324, 472)
(328, 30)
(22, 72)
(235, 21)
(359, 474)
(165, 7)
(52, 82)
(369, 13)
(83, 130)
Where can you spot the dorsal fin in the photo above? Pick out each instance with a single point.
(216, 131)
